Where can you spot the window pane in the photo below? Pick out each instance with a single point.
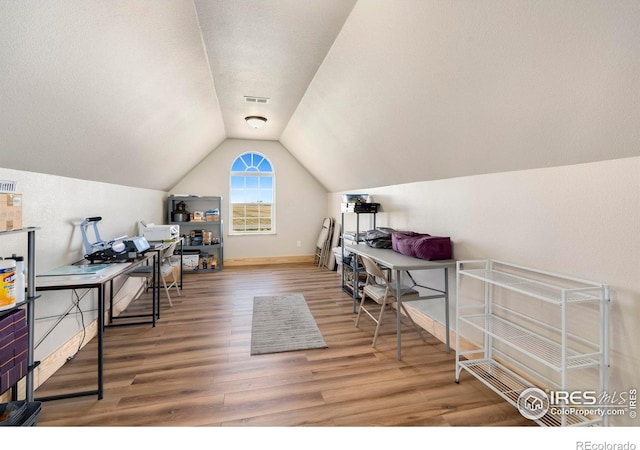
(251, 182)
(237, 182)
(238, 165)
(266, 196)
(265, 166)
(247, 158)
(256, 160)
(266, 182)
(252, 196)
(238, 196)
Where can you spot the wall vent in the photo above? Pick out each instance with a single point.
(258, 100)
(7, 187)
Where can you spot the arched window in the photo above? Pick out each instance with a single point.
(252, 195)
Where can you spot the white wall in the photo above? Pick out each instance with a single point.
(580, 220)
(300, 200)
(57, 205)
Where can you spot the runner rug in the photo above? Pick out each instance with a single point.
(283, 323)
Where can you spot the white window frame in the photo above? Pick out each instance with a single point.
(252, 170)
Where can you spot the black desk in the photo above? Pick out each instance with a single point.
(99, 282)
(151, 256)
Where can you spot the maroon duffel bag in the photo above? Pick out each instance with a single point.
(420, 245)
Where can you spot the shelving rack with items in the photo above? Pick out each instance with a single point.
(23, 365)
(351, 272)
(201, 225)
(532, 336)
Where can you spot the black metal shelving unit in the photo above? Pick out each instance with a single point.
(215, 249)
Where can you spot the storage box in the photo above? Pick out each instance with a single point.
(190, 262)
(212, 215)
(20, 364)
(10, 212)
(21, 340)
(19, 318)
(207, 262)
(13, 346)
(8, 379)
(7, 346)
(6, 324)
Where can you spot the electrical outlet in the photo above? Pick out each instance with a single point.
(299, 244)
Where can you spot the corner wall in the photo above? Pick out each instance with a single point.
(581, 220)
(301, 202)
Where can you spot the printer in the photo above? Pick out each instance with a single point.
(136, 246)
(161, 232)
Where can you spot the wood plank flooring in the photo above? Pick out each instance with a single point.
(194, 367)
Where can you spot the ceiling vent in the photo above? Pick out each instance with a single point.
(258, 100)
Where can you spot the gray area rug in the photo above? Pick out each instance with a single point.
(283, 323)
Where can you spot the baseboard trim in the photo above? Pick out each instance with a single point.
(260, 261)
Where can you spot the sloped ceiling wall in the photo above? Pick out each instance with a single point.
(122, 91)
(116, 91)
(423, 90)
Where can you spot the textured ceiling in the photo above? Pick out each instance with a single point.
(363, 94)
(266, 48)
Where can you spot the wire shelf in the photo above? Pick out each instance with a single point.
(542, 290)
(509, 386)
(541, 349)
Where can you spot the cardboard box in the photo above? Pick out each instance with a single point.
(10, 212)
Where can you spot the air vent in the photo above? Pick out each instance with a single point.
(259, 100)
(8, 187)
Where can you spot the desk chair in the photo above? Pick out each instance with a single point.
(166, 269)
(378, 288)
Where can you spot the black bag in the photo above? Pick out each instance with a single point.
(379, 238)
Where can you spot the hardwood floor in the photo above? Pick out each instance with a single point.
(194, 367)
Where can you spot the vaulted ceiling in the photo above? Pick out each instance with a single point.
(362, 93)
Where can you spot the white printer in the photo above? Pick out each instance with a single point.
(161, 232)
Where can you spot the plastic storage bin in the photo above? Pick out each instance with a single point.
(20, 414)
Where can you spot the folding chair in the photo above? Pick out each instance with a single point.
(378, 288)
